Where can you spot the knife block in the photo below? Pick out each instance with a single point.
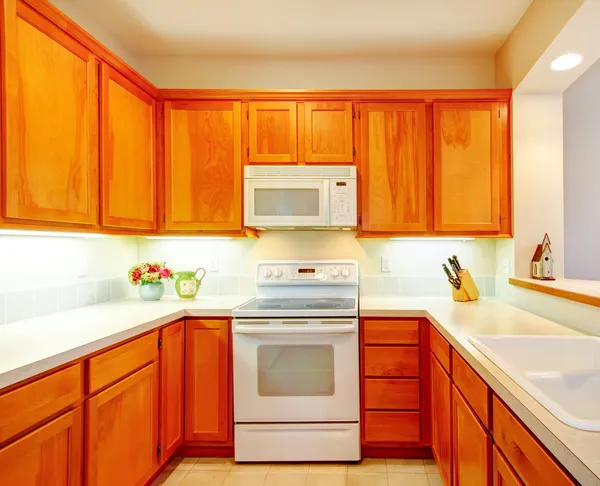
(468, 290)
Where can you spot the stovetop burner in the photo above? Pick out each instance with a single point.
(298, 304)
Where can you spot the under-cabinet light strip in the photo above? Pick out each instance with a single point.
(205, 238)
(53, 234)
(433, 238)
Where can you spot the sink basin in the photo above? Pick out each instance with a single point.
(561, 372)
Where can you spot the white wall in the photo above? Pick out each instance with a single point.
(416, 265)
(581, 108)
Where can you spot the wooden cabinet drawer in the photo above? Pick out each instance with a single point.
(392, 427)
(440, 347)
(389, 394)
(396, 361)
(524, 453)
(472, 387)
(32, 403)
(391, 332)
(108, 367)
(502, 472)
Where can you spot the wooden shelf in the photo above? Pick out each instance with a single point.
(583, 291)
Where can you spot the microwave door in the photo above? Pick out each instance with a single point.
(286, 202)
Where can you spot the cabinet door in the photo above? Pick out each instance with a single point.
(393, 167)
(50, 455)
(503, 473)
(128, 140)
(327, 137)
(272, 132)
(467, 161)
(441, 424)
(208, 415)
(171, 389)
(203, 166)
(471, 445)
(51, 122)
(122, 431)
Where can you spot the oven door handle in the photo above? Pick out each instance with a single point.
(253, 329)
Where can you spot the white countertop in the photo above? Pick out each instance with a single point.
(576, 449)
(33, 346)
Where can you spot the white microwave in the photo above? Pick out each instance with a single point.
(300, 197)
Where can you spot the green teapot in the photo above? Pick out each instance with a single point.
(187, 283)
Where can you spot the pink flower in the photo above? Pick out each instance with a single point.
(152, 269)
(165, 272)
(136, 275)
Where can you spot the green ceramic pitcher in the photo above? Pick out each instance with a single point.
(187, 283)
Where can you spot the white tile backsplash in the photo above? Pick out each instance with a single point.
(19, 305)
(102, 291)
(2, 307)
(228, 285)
(86, 294)
(67, 297)
(45, 301)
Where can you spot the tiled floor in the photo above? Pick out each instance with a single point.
(191, 471)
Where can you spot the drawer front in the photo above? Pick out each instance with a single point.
(503, 473)
(32, 403)
(108, 367)
(440, 347)
(392, 427)
(391, 332)
(388, 394)
(392, 361)
(524, 453)
(472, 387)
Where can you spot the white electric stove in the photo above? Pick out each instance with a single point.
(295, 364)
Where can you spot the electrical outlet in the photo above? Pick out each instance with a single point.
(82, 272)
(385, 264)
(213, 264)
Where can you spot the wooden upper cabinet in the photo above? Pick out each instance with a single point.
(50, 455)
(272, 132)
(441, 423)
(128, 178)
(468, 161)
(203, 166)
(326, 134)
(51, 121)
(393, 167)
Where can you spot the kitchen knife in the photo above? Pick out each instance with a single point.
(451, 279)
(454, 267)
(455, 258)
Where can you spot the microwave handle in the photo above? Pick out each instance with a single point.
(290, 329)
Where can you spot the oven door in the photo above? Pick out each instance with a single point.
(296, 371)
(286, 202)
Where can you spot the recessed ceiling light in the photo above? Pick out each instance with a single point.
(567, 61)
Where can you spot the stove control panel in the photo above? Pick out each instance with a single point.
(331, 272)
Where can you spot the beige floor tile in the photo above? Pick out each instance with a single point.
(368, 466)
(251, 466)
(182, 463)
(285, 478)
(326, 479)
(367, 479)
(405, 466)
(431, 466)
(435, 480)
(245, 478)
(300, 467)
(170, 478)
(204, 478)
(213, 464)
(328, 468)
(407, 479)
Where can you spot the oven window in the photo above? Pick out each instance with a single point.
(295, 371)
(286, 202)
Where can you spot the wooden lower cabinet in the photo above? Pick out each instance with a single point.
(208, 396)
(471, 445)
(441, 422)
(51, 455)
(122, 431)
(503, 474)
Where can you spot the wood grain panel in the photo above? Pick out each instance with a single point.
(391, 394)
(272, 132)
(441, 348)
(471, 446)
(50, 455)
(51, 123)
(121, 437)
(467, 161)
(207, 396)
(394, 167)
(327, 133)
(203, 166)
(39, 400)
(503, 474)
(474, 389)
(526, 455)
(128, 170)
(392, 427)
(391, 332)
(109, 366)
(441, 419)
(171, 388)
(392, 361)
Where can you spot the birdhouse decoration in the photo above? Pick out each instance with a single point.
(542, 264)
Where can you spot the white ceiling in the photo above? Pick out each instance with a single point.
(301, 27)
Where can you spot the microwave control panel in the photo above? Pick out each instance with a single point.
(342, 202)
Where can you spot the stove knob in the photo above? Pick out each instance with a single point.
(335, 272)
(268, 273)
(345, 272)
(278, 273)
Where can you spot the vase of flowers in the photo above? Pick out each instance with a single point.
(149, 276)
